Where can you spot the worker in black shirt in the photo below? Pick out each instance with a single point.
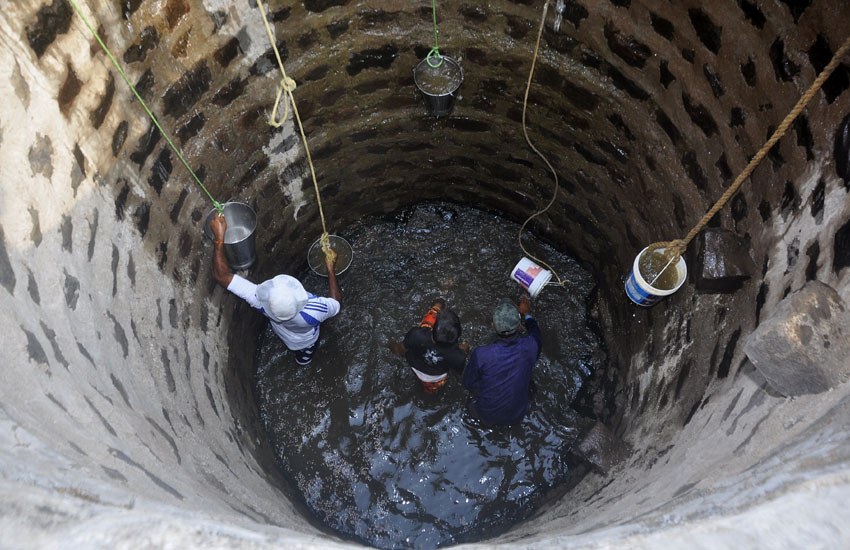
(432, 348)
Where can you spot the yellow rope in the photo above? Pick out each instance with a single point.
(541, 155)
(677, 247)
(288, 85)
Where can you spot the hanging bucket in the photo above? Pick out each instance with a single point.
(638, 288)
(316, 256)
(531, 276)
(239, 239)
(438, 84)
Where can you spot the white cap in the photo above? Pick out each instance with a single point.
(282, 297)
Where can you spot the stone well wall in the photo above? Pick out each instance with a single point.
(127, 414)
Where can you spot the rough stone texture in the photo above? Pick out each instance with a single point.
(804, 346)
(646, 109)
(723, 262)
(601, 448)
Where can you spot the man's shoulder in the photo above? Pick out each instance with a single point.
(418, 335)
(320, 306)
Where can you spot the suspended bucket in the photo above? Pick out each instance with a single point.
(316, 256)
(531, 276)
(438, 84)
(645, 270)
(239, 239)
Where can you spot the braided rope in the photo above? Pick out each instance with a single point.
(288, 85)
(675, 248)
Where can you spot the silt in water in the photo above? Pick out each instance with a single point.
(441, 80)
(651, 264)
(375, 458)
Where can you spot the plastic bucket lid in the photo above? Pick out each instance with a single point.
(531, 276)
(640, 291)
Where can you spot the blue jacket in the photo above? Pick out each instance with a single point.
(500, 373)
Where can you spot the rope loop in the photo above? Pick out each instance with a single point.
(435, 52)
(287, 84)
(326, 246)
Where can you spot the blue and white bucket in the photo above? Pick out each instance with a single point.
(531, 276)
(640, 292)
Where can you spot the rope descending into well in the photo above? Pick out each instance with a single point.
(675, 249)
(435, 51)
(288, 85)
(541, 155)
(216, 204)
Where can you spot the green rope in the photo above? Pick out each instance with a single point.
(217, 205)
(435, 51)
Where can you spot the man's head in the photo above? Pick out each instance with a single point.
(282, 297)
(446, 329)
(506, 318)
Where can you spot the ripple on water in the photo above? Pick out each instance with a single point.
(376, 459)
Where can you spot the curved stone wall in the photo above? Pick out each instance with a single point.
(127, 413)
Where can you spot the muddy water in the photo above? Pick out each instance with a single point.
(372, 456)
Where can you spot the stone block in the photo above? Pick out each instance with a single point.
(804, 346)
(601, 448)
(723, 262)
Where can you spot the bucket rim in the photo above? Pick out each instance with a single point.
(681, 270)
(208, 219)
(317, 243)
(444, 94)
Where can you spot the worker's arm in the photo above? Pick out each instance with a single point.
(333, 290)
(221, 269)
(472, 372)
(530, 323)
(396, 347)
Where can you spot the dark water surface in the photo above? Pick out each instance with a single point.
(373, 456)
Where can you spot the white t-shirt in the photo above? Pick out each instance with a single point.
(301, 331)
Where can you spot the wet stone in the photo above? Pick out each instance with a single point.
(708, 33)
(783, 67)
(601, 448)
(841, 151)
(723, 262)
(374, 457)
(51, 20)
(803, 346)
(376, 57)
(627, 47)
(148, 40)
(752, 13)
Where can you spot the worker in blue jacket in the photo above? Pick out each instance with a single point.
(499, 374)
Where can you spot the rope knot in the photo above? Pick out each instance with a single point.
(287, 83)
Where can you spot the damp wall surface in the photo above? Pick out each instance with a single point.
(126, 410)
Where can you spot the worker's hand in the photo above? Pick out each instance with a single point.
(464, 346)
(330, 262)
(396, 347)
(218, 225)
(524, 306)
(439, 302)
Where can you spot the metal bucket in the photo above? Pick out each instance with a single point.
(239, 239)
(438, 85)
(316, 256)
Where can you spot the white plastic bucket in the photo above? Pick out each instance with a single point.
(531, 276)
(638, 289)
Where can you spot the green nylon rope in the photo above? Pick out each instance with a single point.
(217, 204)
(435, 51)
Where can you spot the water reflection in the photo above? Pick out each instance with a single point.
(372, 455)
